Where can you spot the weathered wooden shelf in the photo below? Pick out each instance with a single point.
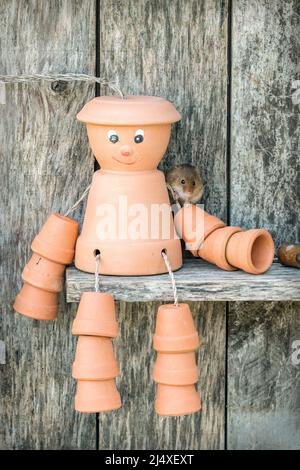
(196, 280)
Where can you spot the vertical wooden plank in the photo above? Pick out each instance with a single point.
(265, 163)
(263, 399)
(176, 50)
(136, 425)
(45, 165)
(264, 375)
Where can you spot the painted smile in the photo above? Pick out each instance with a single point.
(125, 162)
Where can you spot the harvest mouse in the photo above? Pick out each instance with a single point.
(185, 184)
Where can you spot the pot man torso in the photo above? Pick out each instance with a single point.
(128, 217)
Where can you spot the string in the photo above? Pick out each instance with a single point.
(97, 280)
(171, 274)
(65, 77)
(78, 201)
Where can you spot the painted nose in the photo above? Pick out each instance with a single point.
(125, 150)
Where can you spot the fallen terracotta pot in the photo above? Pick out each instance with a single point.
(96, 397)
(43, 273)
(174, 400)
(175, 329)
(252, 251)
(94, 359)
(96, 315)
(175, 368)
(213, 249)
(57, 238)
(36, 303)
(193, 225)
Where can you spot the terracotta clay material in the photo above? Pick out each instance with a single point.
(94, 359)
(175, 329)
(175, 368)
(213, 249)
(175, 400)
(36, 303)
(96, 315)
(251, 251)
(57, 238)
(43, 273)
(194, 225)
(96, 397)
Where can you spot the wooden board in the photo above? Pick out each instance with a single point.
(263, 401)
(196, 280)
(45, 165)
(264, 376)
(176, 50)
(135, 425)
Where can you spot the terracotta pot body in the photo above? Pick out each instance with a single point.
(56, 240)
(96, 315)
(43, 273)
(175, 368)
(194, 225)
(252, 251)
(175, 329)
(96, 397)
(94, 359)
(36, 303)
(175, 400)
(128, 217)
(213, 249)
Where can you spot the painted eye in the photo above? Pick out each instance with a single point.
(182, 181)
(112, 137)
(139, 136)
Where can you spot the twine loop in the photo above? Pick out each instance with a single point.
(171, 274)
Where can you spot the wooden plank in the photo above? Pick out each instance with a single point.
(196, 281)
(265, 164)
(45, 165)
(135, 425)
(264, 376)
(263, 384)
(176, 50)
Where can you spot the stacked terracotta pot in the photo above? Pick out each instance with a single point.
(229, 248)
(95, 366)
(175, 369)
(53, 248)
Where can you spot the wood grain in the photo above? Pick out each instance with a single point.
(265, 143)
(135, 425)
(45, 165)
(263, 376)
(176, 50)
(197, 280)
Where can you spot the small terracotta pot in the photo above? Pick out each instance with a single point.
(36, 303)
(57, 238)
(94, 359)
(95, 397)
(175, 369)
(43, 273)
(193, 225)
(96, 315)
(252, 251)
(213, 249)
(175, 329)
(174, 400)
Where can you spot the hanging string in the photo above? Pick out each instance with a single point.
(171, 274)
(78, 201)
(64, 77)
(97, 280)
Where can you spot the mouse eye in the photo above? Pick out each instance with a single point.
(193, 183)
(182, 181)
(139, 136)
(112, 136)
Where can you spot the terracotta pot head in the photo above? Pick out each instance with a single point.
(130, 134)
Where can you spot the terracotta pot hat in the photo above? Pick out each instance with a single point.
(132, 110)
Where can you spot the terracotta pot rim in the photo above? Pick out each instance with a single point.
(87, 328)
(175, 376)
(83, 371)
(169, 344)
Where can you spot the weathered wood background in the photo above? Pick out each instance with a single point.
(229, 68)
